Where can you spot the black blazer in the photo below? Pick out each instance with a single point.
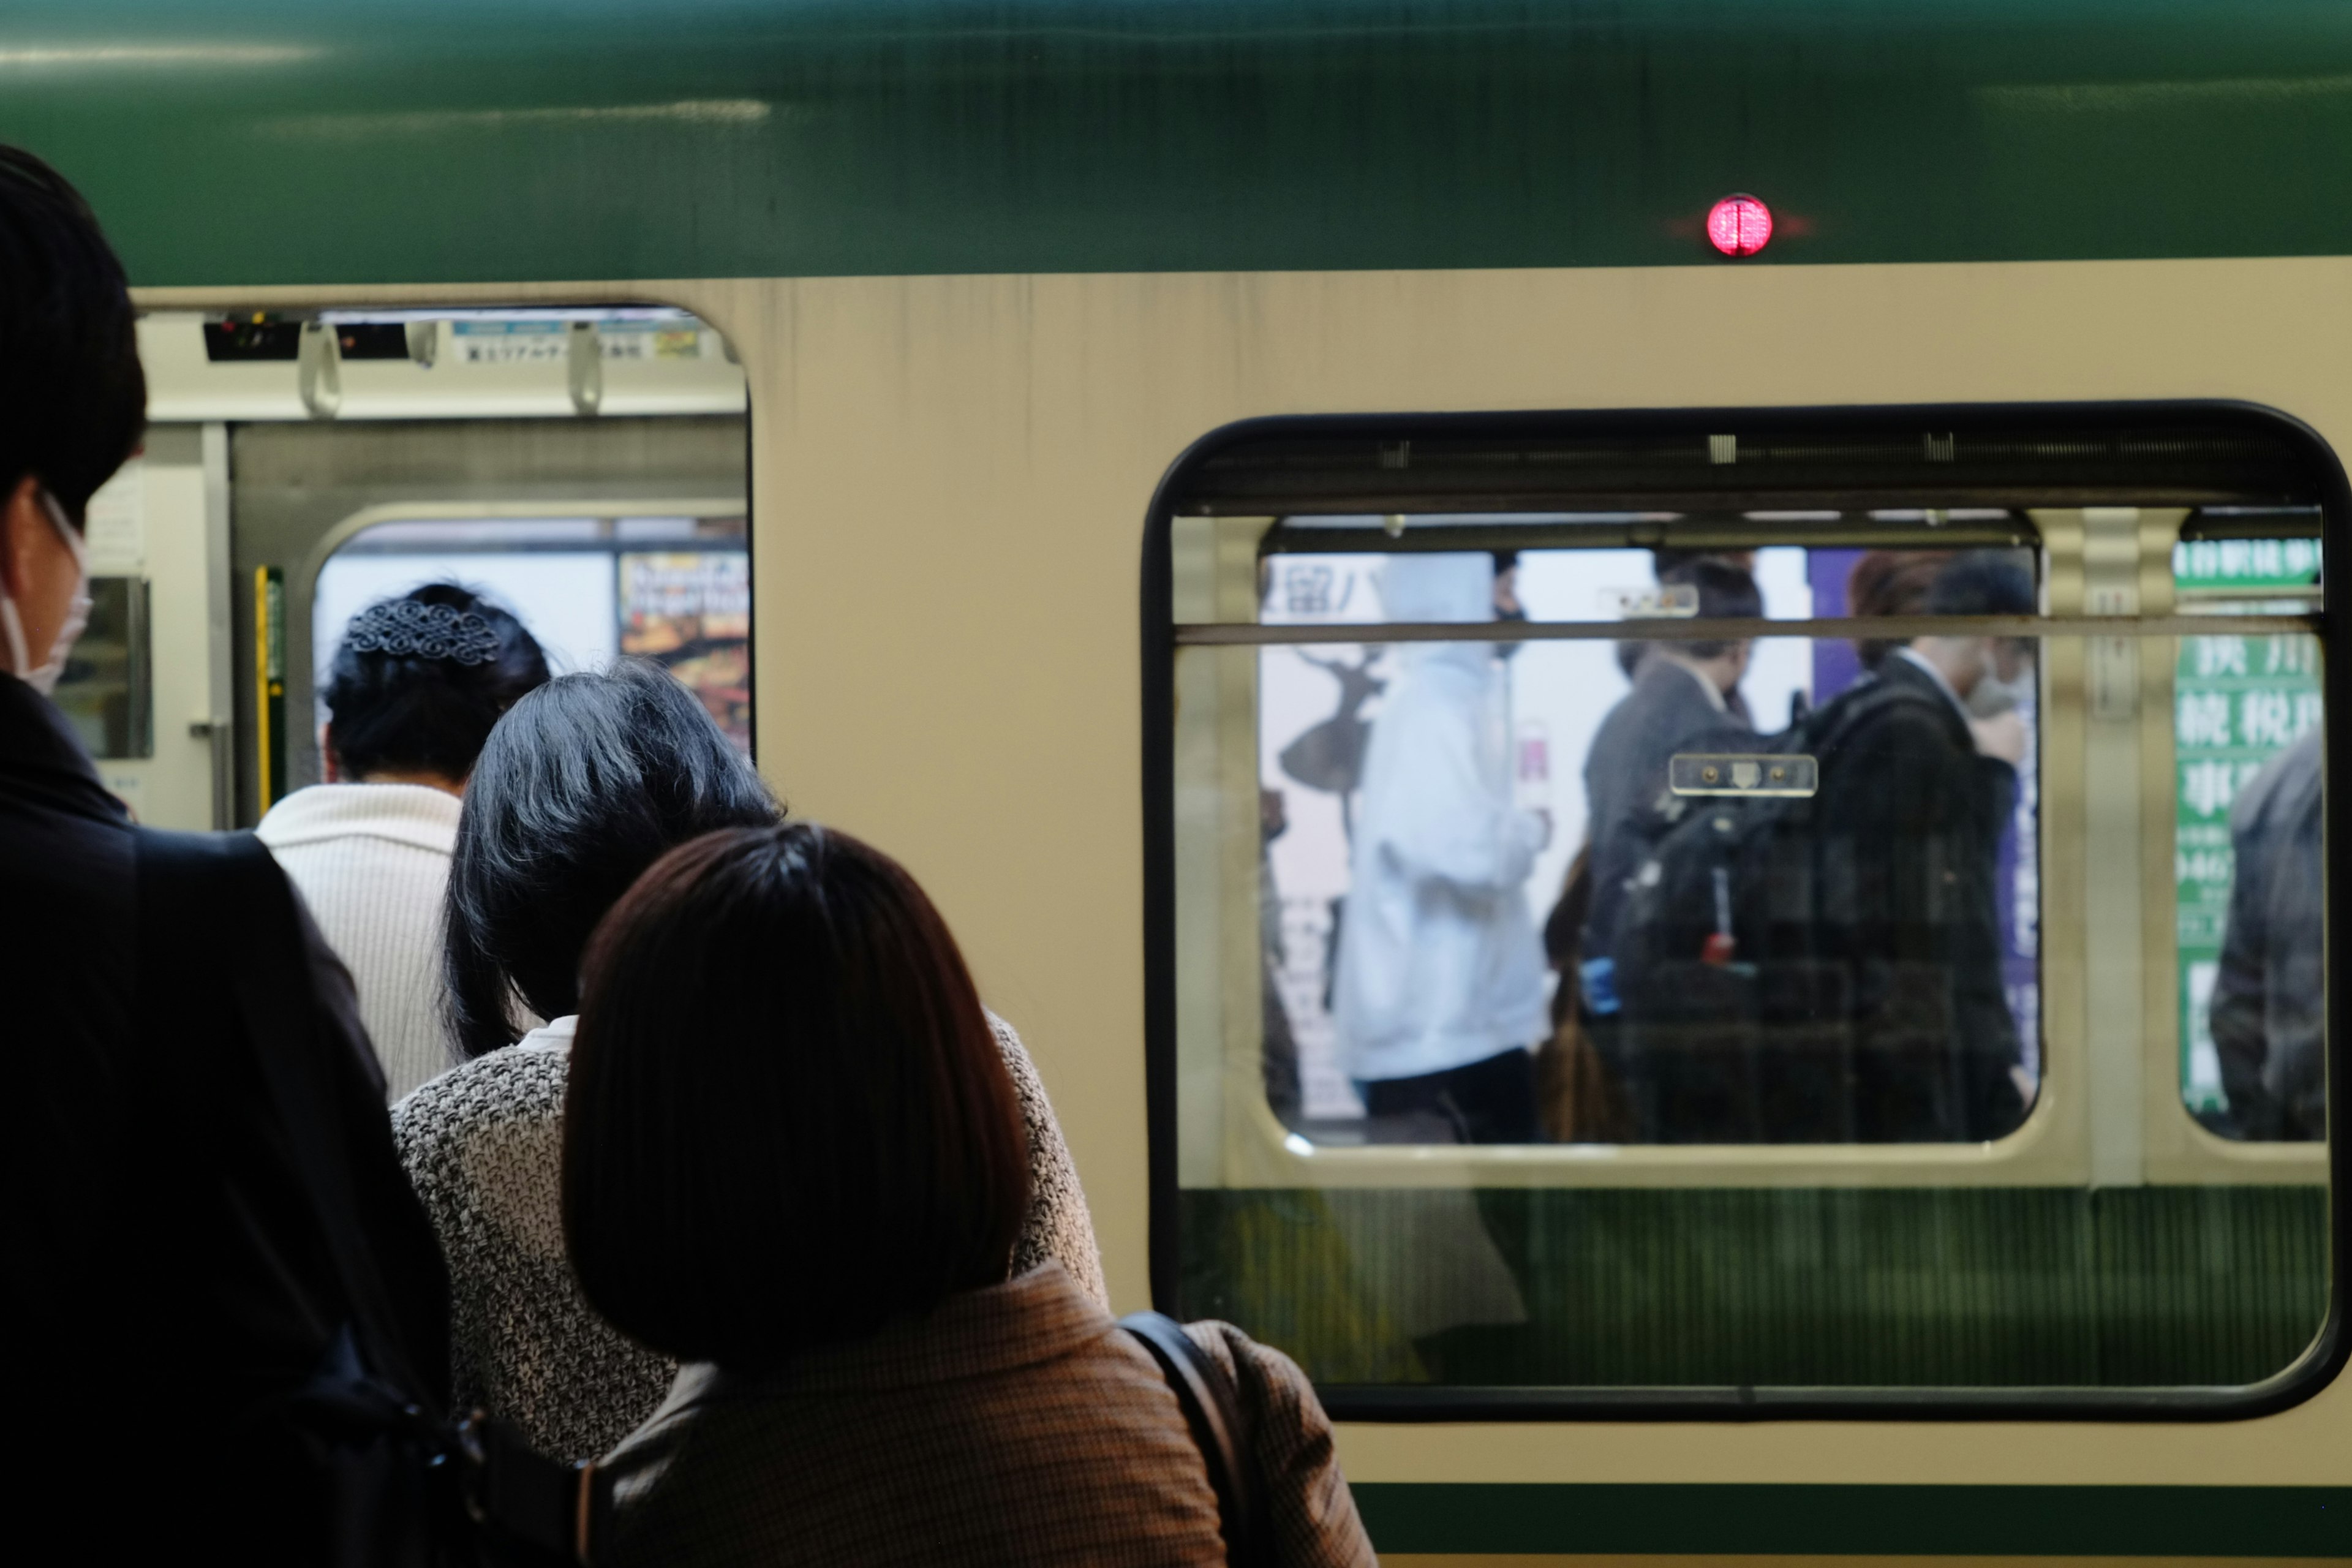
(170, 1287)
(1910, 818)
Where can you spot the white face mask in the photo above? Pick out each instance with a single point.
(44, 678)
(1992, 695)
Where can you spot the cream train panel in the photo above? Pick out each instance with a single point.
(951, 476)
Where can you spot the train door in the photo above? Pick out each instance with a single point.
(586, 467)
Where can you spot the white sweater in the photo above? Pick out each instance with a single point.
(371, 860)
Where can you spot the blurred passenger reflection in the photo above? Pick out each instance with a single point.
(1279, 1048)
(2268, 1017)
(1680, 702)
(1439, 989)
(1828, 968)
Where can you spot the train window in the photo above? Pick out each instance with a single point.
(1612, 828)
(676, 590)
(1816, 914)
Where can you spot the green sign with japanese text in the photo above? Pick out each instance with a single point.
(2238, 703)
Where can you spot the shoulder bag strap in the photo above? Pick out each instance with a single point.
(1212, 1410)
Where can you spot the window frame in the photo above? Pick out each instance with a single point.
(2330, 1347)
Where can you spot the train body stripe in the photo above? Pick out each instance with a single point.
(383, 141)
(1926, 1521)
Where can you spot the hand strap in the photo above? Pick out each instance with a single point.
(1212, 1410)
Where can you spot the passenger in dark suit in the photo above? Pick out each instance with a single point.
(1911, 810)
(1681, 701)
(2270, 1002)
(169, 1285)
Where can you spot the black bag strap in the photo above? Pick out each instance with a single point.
(1836, 724)
(221, 901)
(1212, 1409)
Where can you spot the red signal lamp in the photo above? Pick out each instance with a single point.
(1740, 225)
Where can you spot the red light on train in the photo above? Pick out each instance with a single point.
(1739, 226)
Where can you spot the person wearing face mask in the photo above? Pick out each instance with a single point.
(1912, 799)
(173, 1287)
(35, 614)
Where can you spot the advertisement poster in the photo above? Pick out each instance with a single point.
(691, 612)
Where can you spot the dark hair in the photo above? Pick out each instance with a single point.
(787, 1120)
(412, 713)
(1891, 583)
(73, 400)
(586, 781)
(1982, 582)
(1725, 592)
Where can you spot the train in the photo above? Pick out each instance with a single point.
(1001, 415)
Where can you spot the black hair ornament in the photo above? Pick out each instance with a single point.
(407, 629)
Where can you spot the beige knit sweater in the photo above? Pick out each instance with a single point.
(371, 860)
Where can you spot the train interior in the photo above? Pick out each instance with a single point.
(586, 467)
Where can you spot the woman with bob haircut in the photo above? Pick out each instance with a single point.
(585, 783)
(782, 1059)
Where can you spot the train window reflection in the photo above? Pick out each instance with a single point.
(1496, 916)
(1835, 910)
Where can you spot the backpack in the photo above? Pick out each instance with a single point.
(1735, 987)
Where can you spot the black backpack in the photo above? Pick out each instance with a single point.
(1736, 988)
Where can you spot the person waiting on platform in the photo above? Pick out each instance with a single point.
(585, 783)
(187, 1075)
(794, 1161)
(1439, 987)
(1684, 699)
(1912, 805)
(2270, 999)
(416, 683)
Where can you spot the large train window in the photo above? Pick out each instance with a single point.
(1783, 912)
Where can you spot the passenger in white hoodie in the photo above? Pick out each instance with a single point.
(416, 686)
(1440, 986)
